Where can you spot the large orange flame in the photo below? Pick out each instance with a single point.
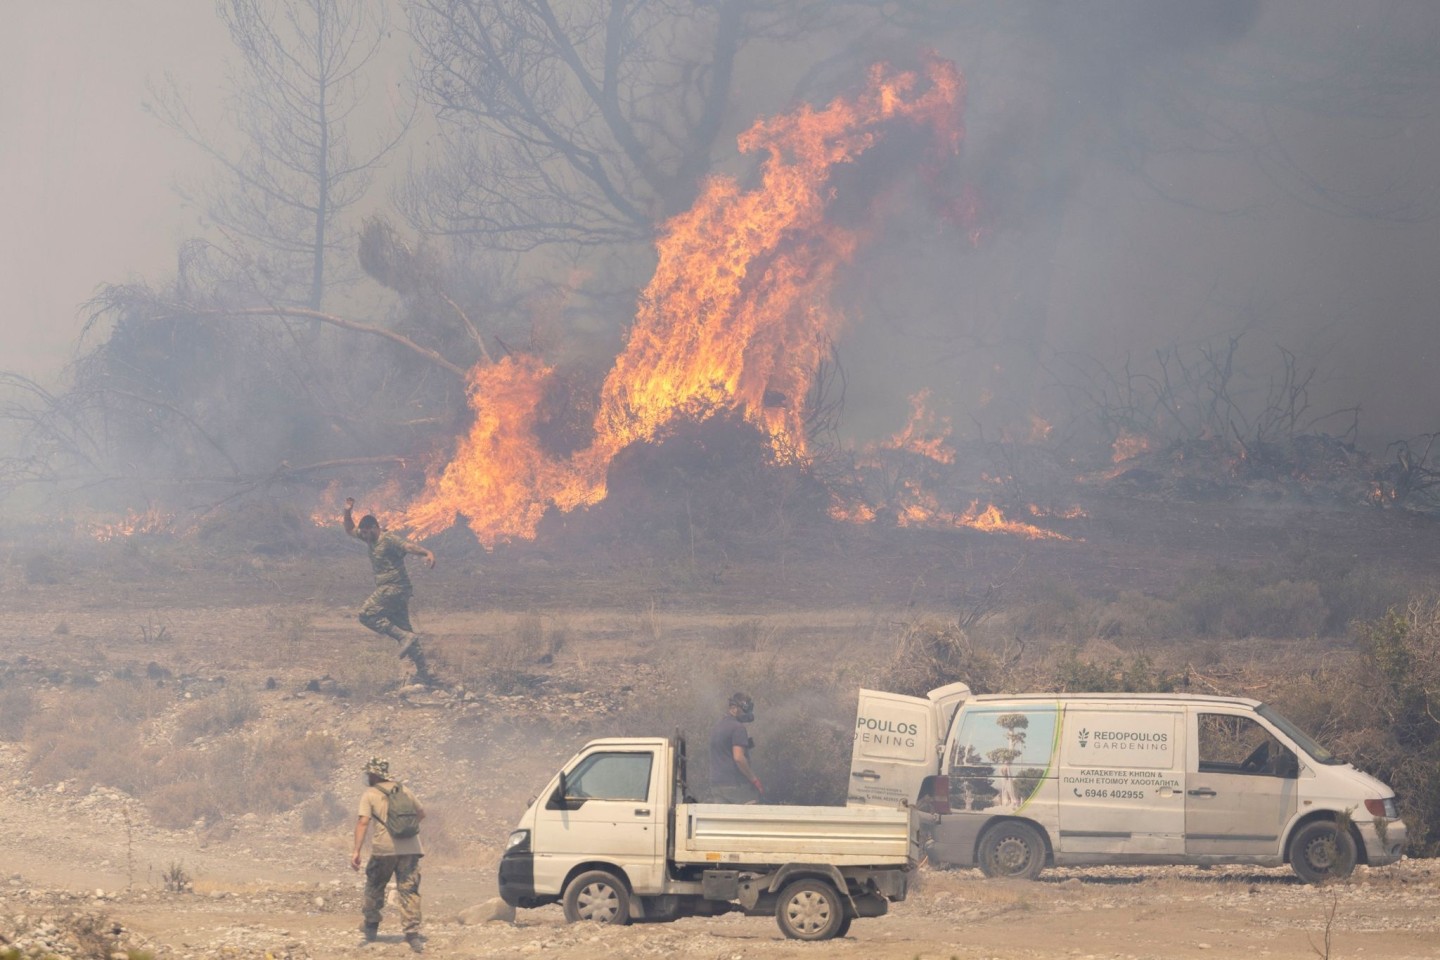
(736, 318)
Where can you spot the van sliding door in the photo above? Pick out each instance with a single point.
(1120, 782)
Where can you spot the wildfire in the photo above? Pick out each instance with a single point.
(1128, 446)
(925, 434)
(734, 319)
(152, 521)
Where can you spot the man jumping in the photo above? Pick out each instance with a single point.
(388, 609)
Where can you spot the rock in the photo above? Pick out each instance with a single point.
(488, 911)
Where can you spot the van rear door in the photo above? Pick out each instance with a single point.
(897, 745)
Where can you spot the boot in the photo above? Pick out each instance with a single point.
(370, 932)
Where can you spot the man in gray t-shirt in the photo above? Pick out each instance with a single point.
(731, 779)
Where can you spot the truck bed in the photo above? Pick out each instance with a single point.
(720, 833)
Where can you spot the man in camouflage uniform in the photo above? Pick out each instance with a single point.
(389, 857)
(387, 611)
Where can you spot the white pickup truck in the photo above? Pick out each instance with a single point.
(614, 837)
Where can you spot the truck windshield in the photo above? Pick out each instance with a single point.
(1302, 739)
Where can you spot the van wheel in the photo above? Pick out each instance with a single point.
(844, 927)
(597, 896)
(1322, 851)
(1012, 849)
(809, 910)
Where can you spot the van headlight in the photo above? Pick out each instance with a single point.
(1385, 808)
(519, 842)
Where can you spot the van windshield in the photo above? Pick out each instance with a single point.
(1302, 739)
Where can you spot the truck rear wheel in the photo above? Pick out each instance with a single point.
(810, 910)
(1322, 850)
(597, 896)
(1012, 849)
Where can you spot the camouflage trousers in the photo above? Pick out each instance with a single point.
(387, 611)
(405, 868)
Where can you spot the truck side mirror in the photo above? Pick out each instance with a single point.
(557, 798)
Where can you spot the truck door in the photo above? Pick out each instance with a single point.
(897, 745)
(608, 806)
(1121, 781)
(1241, 791)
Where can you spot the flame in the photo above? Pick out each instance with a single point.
(1128, 445)
(925, 434)
(734, 319)
(152, 521)
(922, 511)
(991, 520)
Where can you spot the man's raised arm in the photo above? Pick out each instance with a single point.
(349, 516)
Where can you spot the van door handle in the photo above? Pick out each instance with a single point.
(1202, 792)
(865, 775)
(642, 811)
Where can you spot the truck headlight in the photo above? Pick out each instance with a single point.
(519, 842)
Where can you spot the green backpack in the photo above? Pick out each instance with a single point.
(402, 813)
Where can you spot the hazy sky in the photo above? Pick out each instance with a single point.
(86, 173)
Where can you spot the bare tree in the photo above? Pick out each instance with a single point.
(296, 97)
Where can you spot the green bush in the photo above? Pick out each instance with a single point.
(1138, 674)
(1381, 710)
(1238, 603)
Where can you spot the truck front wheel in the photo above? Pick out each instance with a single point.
(597, 896)
(1012, 849)
(810, 910)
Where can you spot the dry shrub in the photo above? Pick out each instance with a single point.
(17, 703)
(1240, 603)
(1134, 615)
(223, 712)
(1076, 673)
(178, 805)
(323, 812)
(244, 775)
(368, 671)
(93, 735)
(507, 664)
(931, 653)
(438, 835)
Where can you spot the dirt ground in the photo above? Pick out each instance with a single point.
(273, 887)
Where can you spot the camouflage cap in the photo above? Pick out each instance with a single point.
(381, 768)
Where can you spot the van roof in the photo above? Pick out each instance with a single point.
(1171, 699)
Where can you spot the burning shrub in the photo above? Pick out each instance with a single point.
(713, 485)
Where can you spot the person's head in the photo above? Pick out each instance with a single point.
(741, 707)
(368, 528)
(376, 770)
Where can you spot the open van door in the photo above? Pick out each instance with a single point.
(897, 744)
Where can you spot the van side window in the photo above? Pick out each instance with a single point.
(1234, 744)
(1000, 757)
(611, 776)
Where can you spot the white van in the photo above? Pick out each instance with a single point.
(1072, 779)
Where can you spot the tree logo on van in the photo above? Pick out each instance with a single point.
(1084, 737)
